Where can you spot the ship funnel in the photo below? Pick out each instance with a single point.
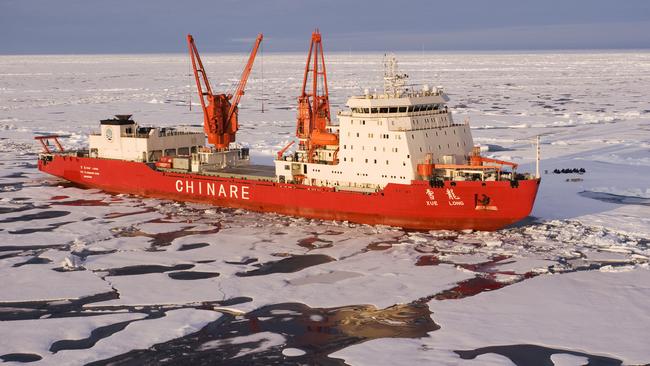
(123, 117)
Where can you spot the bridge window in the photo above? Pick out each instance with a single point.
(402, 109)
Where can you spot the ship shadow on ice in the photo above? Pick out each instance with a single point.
(533, 355)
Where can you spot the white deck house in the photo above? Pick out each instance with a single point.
(121, 138)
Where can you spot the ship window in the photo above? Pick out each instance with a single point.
(366, 160)
(351, 159)
(363, 122)
(402, 109)
(412, 136)
(375, 161)
(404, 163)
(439, 147)
(393, 110)
(287, 167)
(408, 156)
(374, 110)
(386, 162)
(357, 134)
(383, 110)
(344, 147)
(366, 110)
(411, 108)
(345, 159)
(458, 144)
(420, 149)
(304, 168)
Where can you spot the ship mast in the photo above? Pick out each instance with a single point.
(393, 81)
(313, 105)
(220, 117)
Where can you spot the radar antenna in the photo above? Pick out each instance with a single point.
(393, 81)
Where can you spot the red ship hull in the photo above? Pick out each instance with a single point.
(456, 206)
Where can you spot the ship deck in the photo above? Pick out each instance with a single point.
(253, 171)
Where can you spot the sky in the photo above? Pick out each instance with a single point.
(160, 26)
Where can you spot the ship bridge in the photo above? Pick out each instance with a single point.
(383, 138)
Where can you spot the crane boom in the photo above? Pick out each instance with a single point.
(220, 120)
(239, 92)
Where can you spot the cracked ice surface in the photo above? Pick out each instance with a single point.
(89, 276)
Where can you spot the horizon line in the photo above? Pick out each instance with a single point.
(412, 51)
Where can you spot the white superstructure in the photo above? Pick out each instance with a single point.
(121, 138)
(382, 139)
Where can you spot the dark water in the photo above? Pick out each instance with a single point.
(533, 355)
(192, 246)
(316, 331)
(192, 275)
(20, 357)
(614, 198)
(146, 269)
(43, 215)
(288, 265)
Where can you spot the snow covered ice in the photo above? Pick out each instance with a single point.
(89, 276)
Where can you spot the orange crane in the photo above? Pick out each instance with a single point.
(220, 110)
(314, 105)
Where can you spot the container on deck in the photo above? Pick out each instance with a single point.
(181, 163)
